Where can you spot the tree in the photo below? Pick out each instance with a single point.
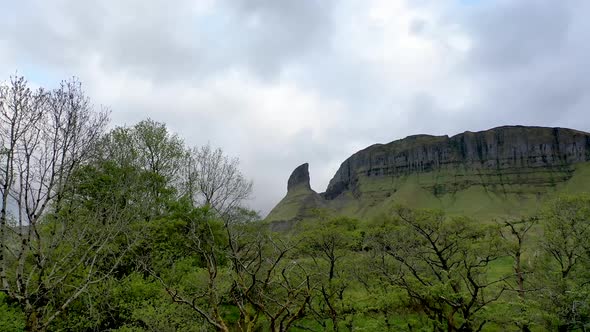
(562, 268)
(148, 147)
(216, 188)
(330, 244)
(239, 265)
(213, 179)
(49, 247)
(442, 264)
(118, 187)
(269, 279)
(206, 239)
(516, 232)
(516, 235)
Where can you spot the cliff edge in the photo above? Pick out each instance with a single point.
(504, 171)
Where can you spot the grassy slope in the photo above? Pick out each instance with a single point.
(483, 196)
(296, 204)
(482, 202)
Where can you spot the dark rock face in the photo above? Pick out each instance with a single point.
(505, 171)
(300, 202)
(299, 177)
(500, 149)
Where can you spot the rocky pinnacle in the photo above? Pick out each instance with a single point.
(299, 177)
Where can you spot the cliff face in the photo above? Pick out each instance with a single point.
(299, 177)
(300, 200)
(505, 171)
(496, 151)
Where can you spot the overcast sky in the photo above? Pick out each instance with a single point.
(280, 83)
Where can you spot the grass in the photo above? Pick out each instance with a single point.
(485, 196)
(298, 202)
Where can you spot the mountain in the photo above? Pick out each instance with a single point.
(504, 171)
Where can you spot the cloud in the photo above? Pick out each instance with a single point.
(157, 40)
(511, 34)
(529, 59)
(280, 83)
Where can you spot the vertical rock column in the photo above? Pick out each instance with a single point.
(299, 177)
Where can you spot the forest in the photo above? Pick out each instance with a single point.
(127, 228)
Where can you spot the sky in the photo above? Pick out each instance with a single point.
(281, 83)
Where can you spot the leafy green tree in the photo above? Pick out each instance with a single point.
(331, 245)
(269, 279)
(236, 266)
(516, 233)
(147, 148)
(184, 252)
(121, 198)
(442, 264)
(562, 268)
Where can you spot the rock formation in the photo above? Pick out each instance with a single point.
(299, 177)
(498, 150)
(300, 201)
(500, 171)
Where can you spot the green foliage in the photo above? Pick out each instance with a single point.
(11, 316)
(483, 196)
(143, 255)
(563, 268)
(146, 146)
(329, 246)
(442, 263)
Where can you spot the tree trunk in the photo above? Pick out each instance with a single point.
(519, 274)
(32, 323)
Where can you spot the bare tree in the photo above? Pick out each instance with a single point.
(214, 179)
(17, 105)
(49, 251)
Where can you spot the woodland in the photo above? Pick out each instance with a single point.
(127, 228)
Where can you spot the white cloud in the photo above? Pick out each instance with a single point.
(264, 123)
(280, 83)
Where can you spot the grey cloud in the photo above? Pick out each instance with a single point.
(164, 41)
(529, 64)
(286, 29)
(417, 26)
(508, 34)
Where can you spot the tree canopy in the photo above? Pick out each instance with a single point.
(130, 229)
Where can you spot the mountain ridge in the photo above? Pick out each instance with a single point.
(526, 162)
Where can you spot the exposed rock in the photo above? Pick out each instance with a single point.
(502, 172)
(500, 149)
(299, 177)
(300, 201)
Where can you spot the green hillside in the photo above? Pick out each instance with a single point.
(483, 200)
(483, 196)
(507, 171)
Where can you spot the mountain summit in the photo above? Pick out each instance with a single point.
(299, 177)
(504, 171)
